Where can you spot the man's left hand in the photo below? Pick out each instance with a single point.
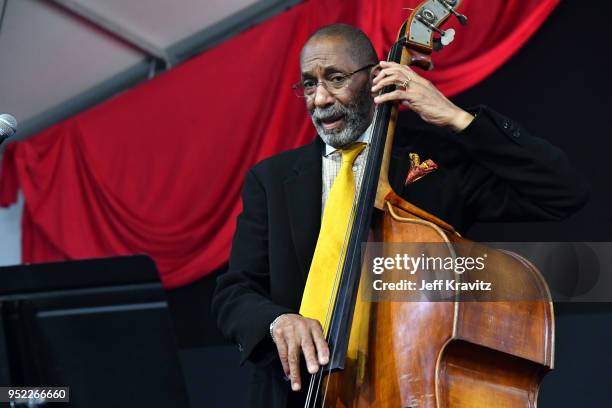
(420, 95)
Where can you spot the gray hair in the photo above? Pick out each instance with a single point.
(360, 46)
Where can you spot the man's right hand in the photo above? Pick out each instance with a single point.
(294, 334)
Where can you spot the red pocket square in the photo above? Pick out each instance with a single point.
(418, 169)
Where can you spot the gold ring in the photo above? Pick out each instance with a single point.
(406, 83)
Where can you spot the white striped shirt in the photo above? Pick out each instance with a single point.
(332, 160)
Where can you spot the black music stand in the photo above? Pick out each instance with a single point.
(100, 326)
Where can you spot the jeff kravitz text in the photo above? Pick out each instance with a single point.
(427, 273)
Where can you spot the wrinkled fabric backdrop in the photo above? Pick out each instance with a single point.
(158, 169)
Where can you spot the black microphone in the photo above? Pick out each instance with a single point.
(8, 126)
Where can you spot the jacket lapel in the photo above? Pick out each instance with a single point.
(399, 166)
(303, 189)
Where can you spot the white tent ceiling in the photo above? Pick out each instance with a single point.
(58, 57)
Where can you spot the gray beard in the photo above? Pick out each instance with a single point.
(356, 117)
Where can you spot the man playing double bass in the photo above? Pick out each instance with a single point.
(485, 167)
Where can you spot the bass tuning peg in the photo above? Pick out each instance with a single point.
(449, 6)
(441, 42)
(427, 18)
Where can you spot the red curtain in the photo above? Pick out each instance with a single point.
(158, 169)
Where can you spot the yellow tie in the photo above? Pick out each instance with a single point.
(322, 283)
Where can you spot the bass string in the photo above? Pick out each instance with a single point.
(375, 149)
(366, 177)
(317, 377)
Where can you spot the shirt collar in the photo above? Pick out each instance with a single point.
(364, 138)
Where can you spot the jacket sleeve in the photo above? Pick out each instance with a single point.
(240, 303)
(514, 176)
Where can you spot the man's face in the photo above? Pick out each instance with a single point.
(340, 116)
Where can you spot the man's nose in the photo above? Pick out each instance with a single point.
(322, 96)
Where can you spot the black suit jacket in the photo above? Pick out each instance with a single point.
(493, 170)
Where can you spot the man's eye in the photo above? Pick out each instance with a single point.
(337, 79)
(309, 84)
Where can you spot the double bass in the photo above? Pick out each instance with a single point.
(458, 352)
